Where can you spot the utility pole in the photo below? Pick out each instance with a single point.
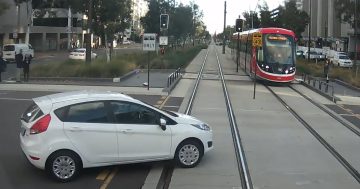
(356, 36)
(29, 20)
(309, 40)
(224, 38)
(88, 36)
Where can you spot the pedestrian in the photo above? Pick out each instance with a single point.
(26, 67)
(2, 66)
(326, 67)
(19, 59)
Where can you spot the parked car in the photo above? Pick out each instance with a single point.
(10, 50)
(127, 42)
(65, 132)
(313, 55)
(80, 54)
(300, 53)
(321, 56)
(342, 60)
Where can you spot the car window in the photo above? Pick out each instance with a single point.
(32, 113)
(343, 57)
(90, 112)
(9, 48)
(131, 113)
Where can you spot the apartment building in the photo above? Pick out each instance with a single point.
(50, 32)
(324, 24)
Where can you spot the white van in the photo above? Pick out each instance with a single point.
(10, 50)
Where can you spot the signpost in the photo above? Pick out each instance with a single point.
(256, 42)
(149, 44)
(163, 40)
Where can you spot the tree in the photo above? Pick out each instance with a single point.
(293, 19)
(184, 20)
(265, 17)
(251, 20)
(288, 17)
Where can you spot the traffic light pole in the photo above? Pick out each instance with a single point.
(309, 40)
(356, 37)
(238, 52)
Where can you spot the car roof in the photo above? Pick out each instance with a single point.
(45, 102)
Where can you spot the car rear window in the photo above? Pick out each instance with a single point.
(9, 48)
(32, 113)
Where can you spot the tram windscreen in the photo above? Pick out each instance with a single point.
(278, 49)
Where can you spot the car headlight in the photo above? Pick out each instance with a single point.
(202, 126)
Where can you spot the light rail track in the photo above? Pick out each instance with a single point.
(330, 148)
(245, 177)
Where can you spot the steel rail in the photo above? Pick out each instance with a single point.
(245, 177)
(355, 131)
(331, 149)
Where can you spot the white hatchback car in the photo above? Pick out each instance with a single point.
(65, 132)
(80, 54)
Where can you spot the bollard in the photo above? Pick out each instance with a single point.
(320, 83)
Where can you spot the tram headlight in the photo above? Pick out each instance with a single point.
(286, 71)
(267, 67)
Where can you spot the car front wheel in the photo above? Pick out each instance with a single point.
(63, 166)
(188, 154)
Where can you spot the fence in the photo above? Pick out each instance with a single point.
(320, 84)
(173, 77)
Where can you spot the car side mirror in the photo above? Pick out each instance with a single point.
(163, 124)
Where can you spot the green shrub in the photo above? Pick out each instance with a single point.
(119, 65)
(317, 70)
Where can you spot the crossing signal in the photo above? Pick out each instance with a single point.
(238, 25)
(164, 21)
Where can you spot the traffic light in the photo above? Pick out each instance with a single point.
(238, 25)
(164, 21)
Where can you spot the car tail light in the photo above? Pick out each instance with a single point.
(41, 125)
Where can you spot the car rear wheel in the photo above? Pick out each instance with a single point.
(188, 154)
(63, 166)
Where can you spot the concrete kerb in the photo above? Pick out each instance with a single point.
(346, 84)
(87, 79)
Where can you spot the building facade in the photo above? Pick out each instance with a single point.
(324, 24)
(50, 32)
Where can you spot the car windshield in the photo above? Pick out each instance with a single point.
(278, 49)
(343, 57)
(167, 111)
(79, 50)
(9, 48)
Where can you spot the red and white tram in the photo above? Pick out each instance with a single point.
(272, 60)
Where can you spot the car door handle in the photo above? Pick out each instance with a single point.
(126, 131)
(75, 129)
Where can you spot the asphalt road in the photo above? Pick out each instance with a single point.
(17, 173)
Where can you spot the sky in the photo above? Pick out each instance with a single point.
(213, 11)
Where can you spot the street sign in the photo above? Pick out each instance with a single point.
(149, 42)
(163, 40)
(257, 39)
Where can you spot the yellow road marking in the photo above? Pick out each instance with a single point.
(164, 102)
(103, 174)
(163, 97)
(159, 102)
(109, 178)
